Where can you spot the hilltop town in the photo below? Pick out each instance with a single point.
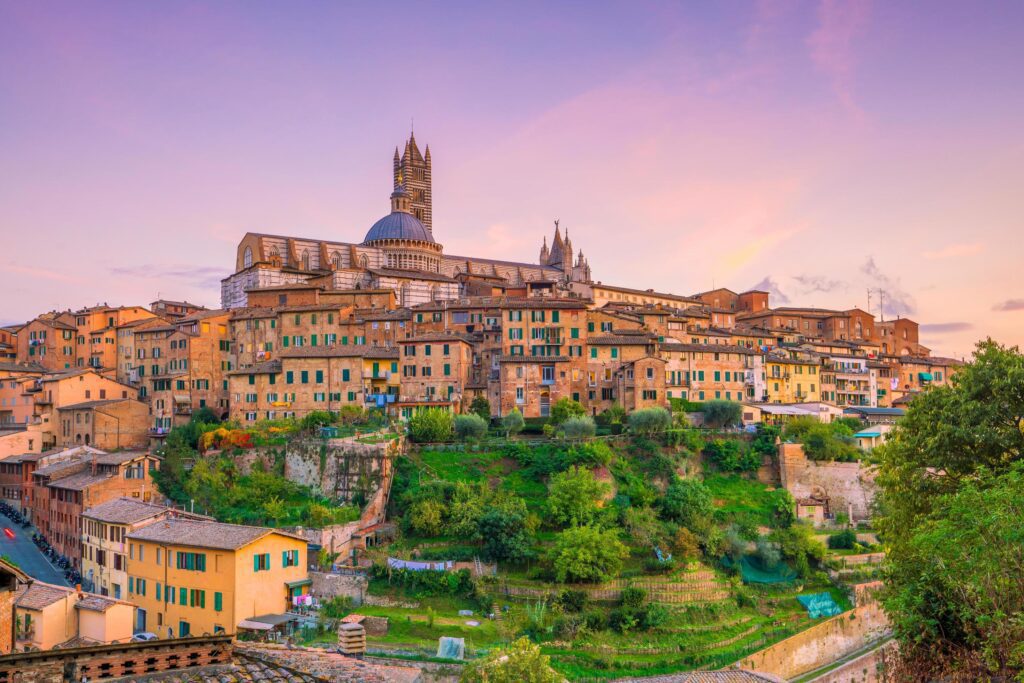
(374, 444)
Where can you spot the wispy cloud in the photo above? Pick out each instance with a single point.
(896, 300)
(195, 276)
(33, 271)
(946, 328)
(1010, 305)
(954, 250)
(768, 284)
(810, 284)
(840, 22)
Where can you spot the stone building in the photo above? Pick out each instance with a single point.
(435, 367)
(399, 252)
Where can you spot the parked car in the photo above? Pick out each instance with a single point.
(144, 637)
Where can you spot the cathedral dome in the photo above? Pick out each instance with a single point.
(398, 225)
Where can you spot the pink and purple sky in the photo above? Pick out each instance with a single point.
(812, 148)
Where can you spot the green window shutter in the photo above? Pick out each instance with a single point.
(218, 602)
(351, 395)
(131, 584)
(182, 596)
(345, 374)
(305, 376)
(255, 563)
(312, 340)
(319, 376)
(289, 377)
(446, 349)
(284, 558)
(593, 352)
(284, 341)
(447, 369)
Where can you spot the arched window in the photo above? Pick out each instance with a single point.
(305, 260)
(336, 260)
(247, 257)
(274, 252)
(363, 261)
(435, 291)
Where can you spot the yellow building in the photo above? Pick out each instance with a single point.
(48, 616)
(104, 549)
(788, 380)
(195, 577)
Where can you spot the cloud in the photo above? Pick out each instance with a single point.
(896, 300)
(768, 284)
(818, 283)
(203, 277)
(840, 22)
(43, 273)
(945, 328)
(1010, 305)
(954, 250)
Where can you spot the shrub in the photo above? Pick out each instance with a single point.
(316, 419)
(615, 414)
(425, 517)
(633, 597)
(719, 414)
(520, 661)
(768, 553)
(685, 546)
(764, 442)
(649, 421)
(730, 455)
(350, 415)
(844, 540)
(688, 502)
(565, 408)
(481, 406)
(573, 496)
(505, 535)
(576, 428)
(572, 600)
(431, 425)
(587, 554)
(513, 422)
(590, 453)
(783, 508)
(470, 427)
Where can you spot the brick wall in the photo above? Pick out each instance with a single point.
(870, 667)
(112, 661)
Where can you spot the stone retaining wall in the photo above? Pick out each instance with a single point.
(821, 644)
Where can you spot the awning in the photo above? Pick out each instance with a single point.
(182, 398)
(299, 583)
(254, 625)
(924, 376)
(267, 621)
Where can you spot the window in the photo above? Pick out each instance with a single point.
(260, 563)
(218, 602)
(191, 561)
(289, 558)
(345, 375)
(305, 376)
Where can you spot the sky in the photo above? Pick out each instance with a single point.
(815, 149)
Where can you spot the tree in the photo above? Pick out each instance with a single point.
(470, 427)
(425, 517)
(719, 414)
(688, 502)
(783, 508)
(315, 419)
(641, 524)
(565, 408)
(513, 422)
(520, 662)
(576, 428)
(481, 406)
(431, 425)
(587, 553)
(573, 496)
(950, 478)
(685, 546)
(649, 421)
(731, 455)
(505, 535)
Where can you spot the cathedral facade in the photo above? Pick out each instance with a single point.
(398, 252)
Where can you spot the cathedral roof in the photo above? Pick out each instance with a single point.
(398, 225)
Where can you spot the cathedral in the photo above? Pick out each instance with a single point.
(399, 252)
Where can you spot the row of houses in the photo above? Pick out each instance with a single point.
(296, 348)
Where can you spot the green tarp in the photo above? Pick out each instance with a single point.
(752, 572)
(819, 605)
